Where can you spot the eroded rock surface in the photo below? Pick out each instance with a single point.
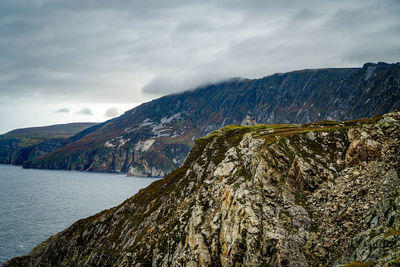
(321, 194)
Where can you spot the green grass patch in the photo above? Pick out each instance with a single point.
(359, 264)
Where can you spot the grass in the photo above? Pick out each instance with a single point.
(358, 264)
(393, 231)
(394, 263)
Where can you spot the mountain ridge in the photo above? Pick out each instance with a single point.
(55, 129)
(155, 137)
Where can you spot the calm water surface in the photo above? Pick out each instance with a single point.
(35, 204)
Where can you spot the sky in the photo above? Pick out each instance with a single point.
(91, 60)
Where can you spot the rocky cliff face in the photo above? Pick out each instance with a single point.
(320, 194)
(12, 152)
(155, 138)
(26, 144)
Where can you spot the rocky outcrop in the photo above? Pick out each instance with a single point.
(142, 167)
(320, 194)
(155, 138)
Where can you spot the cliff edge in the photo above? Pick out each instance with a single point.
(318, 194)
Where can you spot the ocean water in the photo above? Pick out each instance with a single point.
(35, 204)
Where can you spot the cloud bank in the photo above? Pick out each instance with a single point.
(124, 51)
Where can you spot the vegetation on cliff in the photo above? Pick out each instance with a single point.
(318, 194)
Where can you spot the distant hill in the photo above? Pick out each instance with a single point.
(155, 137)
(67, 129)
(20, 145)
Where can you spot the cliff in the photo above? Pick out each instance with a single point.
(155, 138)
(25, 144)
(318, 194)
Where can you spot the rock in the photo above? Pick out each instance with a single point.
(145, 170)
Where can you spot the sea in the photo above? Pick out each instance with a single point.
(35, 204)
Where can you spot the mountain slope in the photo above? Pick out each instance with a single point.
(24, 144)
(155, 137)
(319, 194)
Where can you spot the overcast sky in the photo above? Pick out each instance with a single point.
(77, 60)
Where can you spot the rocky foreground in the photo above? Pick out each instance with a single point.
(321, 194)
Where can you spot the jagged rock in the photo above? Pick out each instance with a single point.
(144, 169)
(249, 196)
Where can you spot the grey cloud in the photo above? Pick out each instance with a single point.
(168, 84)
(85, 111)
(124, 51)
(160, 85)
(63, 110)
(112, 112)
(374, 54)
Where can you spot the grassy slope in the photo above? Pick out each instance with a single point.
(35, 135)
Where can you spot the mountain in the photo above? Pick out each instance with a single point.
(21, 145)
(318, 194)
(155, 137)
